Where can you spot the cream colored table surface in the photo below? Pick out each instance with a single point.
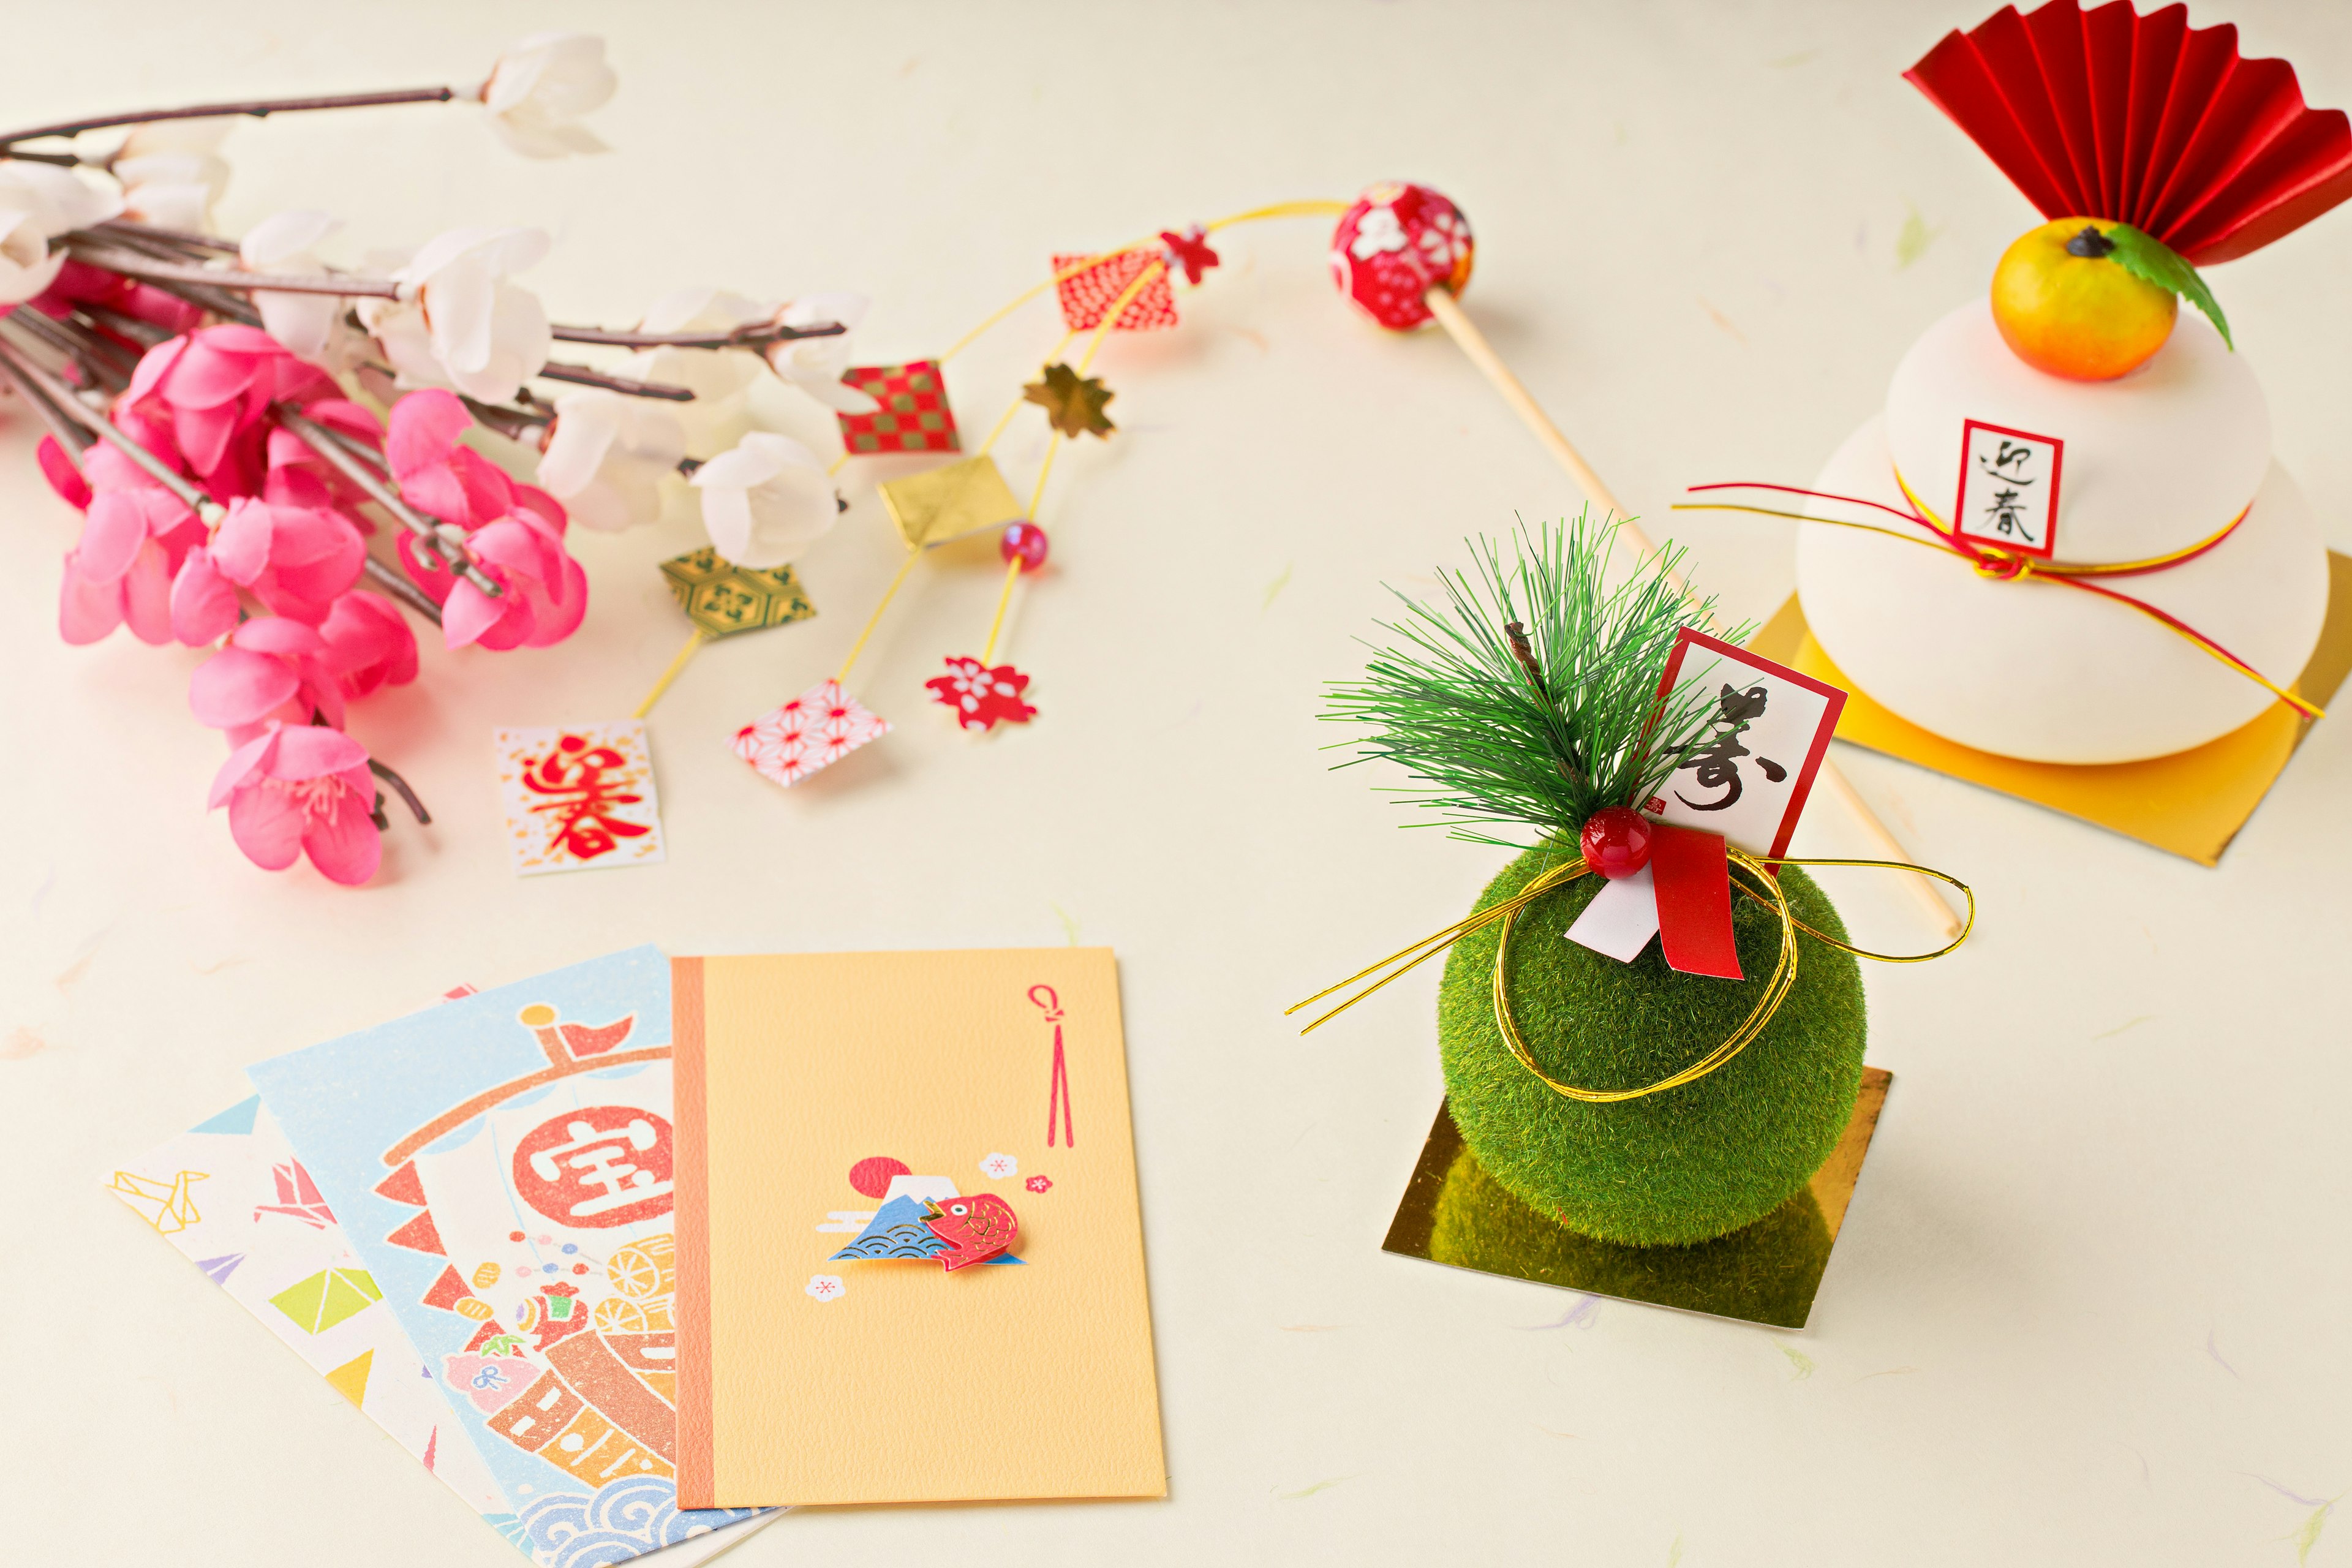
(2089, 1305)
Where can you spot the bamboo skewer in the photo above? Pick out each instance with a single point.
(1473, 343)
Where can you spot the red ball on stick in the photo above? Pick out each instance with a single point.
(1393, 245)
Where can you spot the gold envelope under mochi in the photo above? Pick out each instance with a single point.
(820, 1098)
(2191, 803)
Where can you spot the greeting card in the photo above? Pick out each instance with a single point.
(229, 1194)
(502, 1166)
(910, 1256)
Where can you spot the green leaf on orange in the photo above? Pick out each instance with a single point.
(2151, 260)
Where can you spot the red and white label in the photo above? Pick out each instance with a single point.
(1764, 731)
(2009, 488)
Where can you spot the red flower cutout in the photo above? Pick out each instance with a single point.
(1190, 251)
(982, 697)
(1038, 1184)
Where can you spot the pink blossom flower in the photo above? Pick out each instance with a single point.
(295, 560)
(133, 541)
(273, 671)
(79, 283)
(59, 471)
(368, 643)
(299, 475)
(211, 390)
(515, 532)
(1039, 1183)
(303, 789)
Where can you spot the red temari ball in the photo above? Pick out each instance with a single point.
(872, 1175)
(1396, 241)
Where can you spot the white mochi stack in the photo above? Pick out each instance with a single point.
(2153, 462)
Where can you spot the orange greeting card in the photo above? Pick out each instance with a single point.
(910, 1259)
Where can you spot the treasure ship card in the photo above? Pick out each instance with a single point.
(910, 1256)
(502, 1165)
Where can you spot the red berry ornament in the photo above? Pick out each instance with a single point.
(1616, 841)
(1393, 245)
(1024, 543)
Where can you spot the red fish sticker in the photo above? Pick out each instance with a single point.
(976, 1228)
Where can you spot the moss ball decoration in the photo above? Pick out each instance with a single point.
(1668, 1169)
(1765, 1272)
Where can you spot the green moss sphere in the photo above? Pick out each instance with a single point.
(1668, 1169)
(1765, 1273)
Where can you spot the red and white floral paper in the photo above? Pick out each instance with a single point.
(579, 796)
(814, 729)
(983, 696)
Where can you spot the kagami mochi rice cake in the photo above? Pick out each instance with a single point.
(2098, 559)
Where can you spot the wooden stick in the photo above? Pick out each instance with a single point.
(1473, 343)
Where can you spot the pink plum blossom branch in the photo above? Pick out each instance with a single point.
(331, 446)
(400, 787)
(257, 108)
(22, 368)
(406, 592)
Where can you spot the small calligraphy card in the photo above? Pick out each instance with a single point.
(2009, 488)
(1748, 774)
(579, 797)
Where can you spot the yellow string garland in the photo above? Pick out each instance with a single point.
(1766, 890)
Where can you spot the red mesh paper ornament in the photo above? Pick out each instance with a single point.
(2143, 120)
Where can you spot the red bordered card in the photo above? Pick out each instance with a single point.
(2009, 488)
(1748, 774)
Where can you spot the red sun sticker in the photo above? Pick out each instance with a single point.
(871, 1176)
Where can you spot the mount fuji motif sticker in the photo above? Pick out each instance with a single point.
(2009, 488)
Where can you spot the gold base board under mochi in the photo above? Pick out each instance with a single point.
(1750, 1276)
(2190, 803)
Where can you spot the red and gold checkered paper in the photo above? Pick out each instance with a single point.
(914, 415)
(1087, 295)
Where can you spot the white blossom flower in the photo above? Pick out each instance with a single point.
(458, 322)
(714, 374)
(825, 1287)
(607, 456)
(999, 1166)
(308, 324)
(40, 202)
(172, 172)
(541, 86)
(765, 501)
(814, 364)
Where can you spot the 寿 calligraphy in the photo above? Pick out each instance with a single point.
(581, 797)
(1714, 762)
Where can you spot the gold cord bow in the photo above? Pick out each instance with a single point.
(1766, 889)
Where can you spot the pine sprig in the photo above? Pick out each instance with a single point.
(1530, 697)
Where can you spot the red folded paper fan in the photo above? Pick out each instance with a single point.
(2143, 120)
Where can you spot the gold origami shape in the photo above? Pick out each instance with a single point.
(722, 598)
(947, 503)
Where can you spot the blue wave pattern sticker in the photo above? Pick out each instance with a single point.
(625, 1520)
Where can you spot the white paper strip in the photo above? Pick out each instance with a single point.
(1620, 920)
